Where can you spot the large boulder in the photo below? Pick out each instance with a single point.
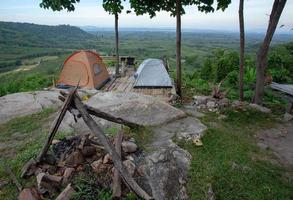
(137, 108)
(25, 103)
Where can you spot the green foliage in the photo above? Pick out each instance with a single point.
(87, 187)
(219, 65)
(113, 6)
(280, 63)
(57, 5)
(149, 7)
(22, 138)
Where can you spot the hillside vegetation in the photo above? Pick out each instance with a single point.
(20, 41)
(207, 57)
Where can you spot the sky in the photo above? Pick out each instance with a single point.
(91, 13)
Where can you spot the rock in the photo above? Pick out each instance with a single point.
(29, 194)
(222, 103)
(260, 108)
(201, 99)
(211, 195)
(3, 183)
(167, 176)
(129, 147)
(238, 104)
(66, 194)
(287, 117)
(54, 141)
(96, 165)
(107, 159)
(68, 173)
(222, 117)
(211, 104)
(136, 108)
(26, 103)
(74, 159)
(88, 151)
(130, 166)
(165, 168)
(192, 110)
(47, 182)
(262, 146)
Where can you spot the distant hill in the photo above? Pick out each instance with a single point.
(33, 35)
(20, 41)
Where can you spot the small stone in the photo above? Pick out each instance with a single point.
(287, 117)
(130, 166)
(74, 159)
(222, 117)
(129, 158)
(107, 159)
(97, 164)
(201, 99)
(3, 183)
(129, 147)
(260, 108)
(262, 146)
(88, 151)
(29, 194)
(211, 104)
(132, 140)
(55, 141)
(211, 195)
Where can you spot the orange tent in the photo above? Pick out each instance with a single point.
(87, 67)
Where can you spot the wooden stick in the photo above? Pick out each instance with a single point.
(98, 113)
(56, 124)
(13, 178)
(95, 128)
(116, 177)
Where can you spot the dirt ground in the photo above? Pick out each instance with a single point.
(280, 140)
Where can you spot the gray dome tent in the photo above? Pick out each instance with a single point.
(152, 73)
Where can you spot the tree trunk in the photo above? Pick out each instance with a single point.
(117, 44)
(178, 48)
(242, 43)
(261, 63)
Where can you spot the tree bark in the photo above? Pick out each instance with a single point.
(242, 45)
(261, 63)
(178, 48)
(117, 44)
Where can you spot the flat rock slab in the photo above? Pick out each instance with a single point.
(25, 103)
(137, 108)
(166, 165)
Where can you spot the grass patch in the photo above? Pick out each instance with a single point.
(227, 160)
(21, 139)
(141, 135)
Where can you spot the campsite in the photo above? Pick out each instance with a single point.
(141, 100)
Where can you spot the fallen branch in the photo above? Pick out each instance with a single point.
(116, 177)
(129, 181)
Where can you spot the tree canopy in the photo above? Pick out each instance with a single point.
(58, 5)
(152, 6)
(113, 6)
